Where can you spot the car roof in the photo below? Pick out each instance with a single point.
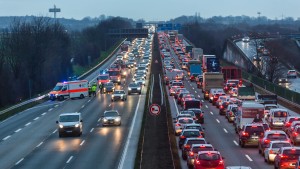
(75, 113)
(205, 152)
(238, 167)
(111, 111)
(195, 138)
(279, 141)
(194, 124)
(289, 148)
(185, 130)
(198, 145)
(278, 109)
(274, 132)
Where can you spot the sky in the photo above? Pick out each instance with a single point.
(152, 10)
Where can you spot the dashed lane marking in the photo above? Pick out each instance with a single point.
(247, 156)
(54, 131)
(202, 101)
(28, 124)
(225, 130)
(56, 105)
(36, 118)
(89, 100)
(82, 143)
(211, 113)
(217, 120)
(109, 105)
(235, 143)
(206, 106)
(92, 130)
(199, 96)
(19, 161)
(18, 130)
(99, 119)
(69, 159)
(193, 88)
(5, 138)
(82, 106)
(40, 144)
(195, 91)
(44, 113)
(50, 109)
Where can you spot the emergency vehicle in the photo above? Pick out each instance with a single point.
(115, 75)
(103, 78)
(69, 89)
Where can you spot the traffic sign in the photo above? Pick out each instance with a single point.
(154, 109)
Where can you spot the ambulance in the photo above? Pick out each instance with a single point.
(69, 89)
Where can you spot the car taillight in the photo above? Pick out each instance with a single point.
(182, 137)
(295, 134)
(288, 124)
(221, 162)
(266, 141)
(245, 134)
(201, 115)
(191, 154)
(178, 124)
(271, 152)
(197, 161)
(230, 113)
(187, 146)
(283, 156)
(221, 107)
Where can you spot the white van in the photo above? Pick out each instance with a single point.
(247, 112)
(277, 117)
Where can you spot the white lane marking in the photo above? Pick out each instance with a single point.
(235, 143)
(151, 91)
(109, 105)
(90, 100)
(92, 130)
(195, 91)
(202, 101)
(50, 109)
(225, 130)
(193, 88)
(18, 130)
(36, 118)
(161, 91)
(211, 113)
(28, 124)
(69, 159)
(99, 119)
(56, 105)
(199, 96)
(217, 120)
(44, 113)
(175, 106)
(248, 157)
(206, 106)
(5, 138)
(40, 144)
(82, 143)
(124, 153)
(54, 131)
(82, 106)
(19, 161)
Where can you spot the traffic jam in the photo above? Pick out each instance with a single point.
(129, 70)
(194, 79)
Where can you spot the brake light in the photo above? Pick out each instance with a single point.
(201, 115)
(295, 134)
(221, 107)
(288, 124)
(191, 154)
(178, 124)
(283, 156)
(230, 113)
(245, 134)
(182, 137)
(271, 152)
(187, 146)
(221, 162)
(266, 141)
(197, 161)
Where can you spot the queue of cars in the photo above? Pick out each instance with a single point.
(137, 60)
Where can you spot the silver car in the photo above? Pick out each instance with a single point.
(272, 150)
(119, 95)
(111, 117)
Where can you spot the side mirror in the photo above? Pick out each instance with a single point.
(56, 122)
(81, 121)
(223, 158)
(203, 128)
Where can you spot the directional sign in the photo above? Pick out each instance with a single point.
(154, 109)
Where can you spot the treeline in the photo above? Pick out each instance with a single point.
(35, 55)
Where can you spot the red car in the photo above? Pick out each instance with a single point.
(209, 159)
(287, 157)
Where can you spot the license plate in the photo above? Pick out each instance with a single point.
(254, 137)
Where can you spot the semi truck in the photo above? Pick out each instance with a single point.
(211, 80)
(197, 53)
(231, 72)
(246, 93)
(266, 98)
(194, 69)
(69, 89)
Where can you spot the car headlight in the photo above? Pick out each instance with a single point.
(56, 95)
(104, 119)
(112, 96)
(139, 88)
(61, 126)
(76, 125)
(124, 73)
(129, 88)
(121, 95)
(118, 119)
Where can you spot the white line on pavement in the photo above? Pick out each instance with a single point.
(176, 106)
(28, 124)
(82, 143)
(211, 113)
(54, 131)
(193, 88)
(44, 113)
(69, 159)
(5, 138)
(109, 105)
(195, 91)
(92, 130)
(89, 100)
(199, 96)
(202, 101)
(225, 130)
(56, 105)
(19, 161)
(36, 118)
(248, 158)
(235, 143)
(121, 163)
(50, 109)
(217, 120)
(206, 106)
(82, 106)
(40, 144)
(161, 91)
(18, 130)
(99, 119)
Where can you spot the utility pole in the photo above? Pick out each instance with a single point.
(54, 10)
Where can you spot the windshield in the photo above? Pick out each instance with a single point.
(204, 148)
(191, 133)
(209, 156)
(280, 114)
(194, 127)
(186, 121)
(292, 154)
(69, 118)
(57, 88)
(191, 142)
(113, 73)
(109, 85)
(278, 145)
(277, 136)
(111, 114)
(134, 85)
(103, 77)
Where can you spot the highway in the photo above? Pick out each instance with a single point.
(250, 50)
(219, 132)
(30, 139)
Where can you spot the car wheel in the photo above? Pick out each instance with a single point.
(81, 96)
(140, 93)
(129, 93)
(112, 100)
(61, 98)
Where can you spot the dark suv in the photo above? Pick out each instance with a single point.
(134, 88)
(188, 133)
(199, 115)
(250, 134)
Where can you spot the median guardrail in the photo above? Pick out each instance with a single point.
(80, 77)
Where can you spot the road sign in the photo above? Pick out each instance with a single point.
(154, 109)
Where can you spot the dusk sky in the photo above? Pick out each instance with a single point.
(157, 10)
